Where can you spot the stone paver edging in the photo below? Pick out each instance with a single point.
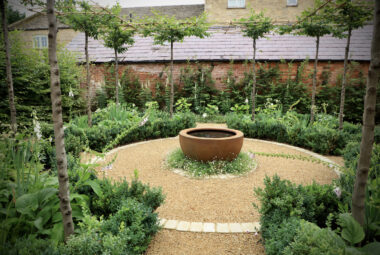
(211, 227)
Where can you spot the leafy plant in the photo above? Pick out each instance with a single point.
(182, 105)
(242, 164)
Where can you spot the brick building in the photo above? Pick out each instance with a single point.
(149, 61)
(225, 11)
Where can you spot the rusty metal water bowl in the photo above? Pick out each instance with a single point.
(208, 144)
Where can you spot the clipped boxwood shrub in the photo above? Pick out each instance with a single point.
(280, 236)
(75, 140)
(113, 194)
(351, 153)
(281, 199)
(292, 128)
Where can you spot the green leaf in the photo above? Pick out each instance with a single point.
(27, 203)
(351, 229)
(371, 248)
(45, 194)
(57, 217)
(352, 251)
(95, 187)
(38, 223)
(45, 214)
(57, 233)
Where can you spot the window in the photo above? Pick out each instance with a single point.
(236, 3)
(291, 2)
(40, 41)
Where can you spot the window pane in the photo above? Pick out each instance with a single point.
(292, 2)
(36, 42)
(44, 42)
(236, 3)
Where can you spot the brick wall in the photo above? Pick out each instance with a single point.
(148, 73)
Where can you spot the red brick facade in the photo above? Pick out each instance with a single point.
(148, 73)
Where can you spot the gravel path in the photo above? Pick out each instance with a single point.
(211, 200)
(172, 242)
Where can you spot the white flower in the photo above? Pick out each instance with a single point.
(71, 94)
(338, 192)
(142, 123)
(37, 129)
(204, 115)
(246, 101)
(50, 139)
(107, 167)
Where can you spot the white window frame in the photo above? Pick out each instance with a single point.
(292, 3)
(236, 4)
(40, 41)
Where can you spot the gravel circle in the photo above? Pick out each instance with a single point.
(212, 200)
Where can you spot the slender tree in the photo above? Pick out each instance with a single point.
(56, 101)
(312, 23)
(88, 20)
(255, 27)
(11, 96)
(346, 15)
(358, 196)
(118, 37)
(170, 29)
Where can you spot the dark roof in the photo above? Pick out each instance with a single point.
(232, 45)
(179, 11)
(38, 21)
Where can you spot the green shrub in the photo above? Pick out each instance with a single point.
(29, 246)
(312, 240)
(280, 236)
(321, 139)
(135, 222)
(75, 140)
(292, 128)
(88, 243)
(160, 127)
(351, 158)
(31, 69)
(114, 193)
(281, 199)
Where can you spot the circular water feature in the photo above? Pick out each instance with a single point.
(207, 144)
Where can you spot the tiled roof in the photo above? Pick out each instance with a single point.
(232, 45)
(179, 11)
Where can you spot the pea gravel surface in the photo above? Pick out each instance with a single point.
(211, 200)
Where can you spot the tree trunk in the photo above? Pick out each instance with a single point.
(171, 80)
(12, 107)
(344, 80)
(358, 196)
(116, 78)
(312, 111)
(55, 94)
(89, 116)
(253, 92)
